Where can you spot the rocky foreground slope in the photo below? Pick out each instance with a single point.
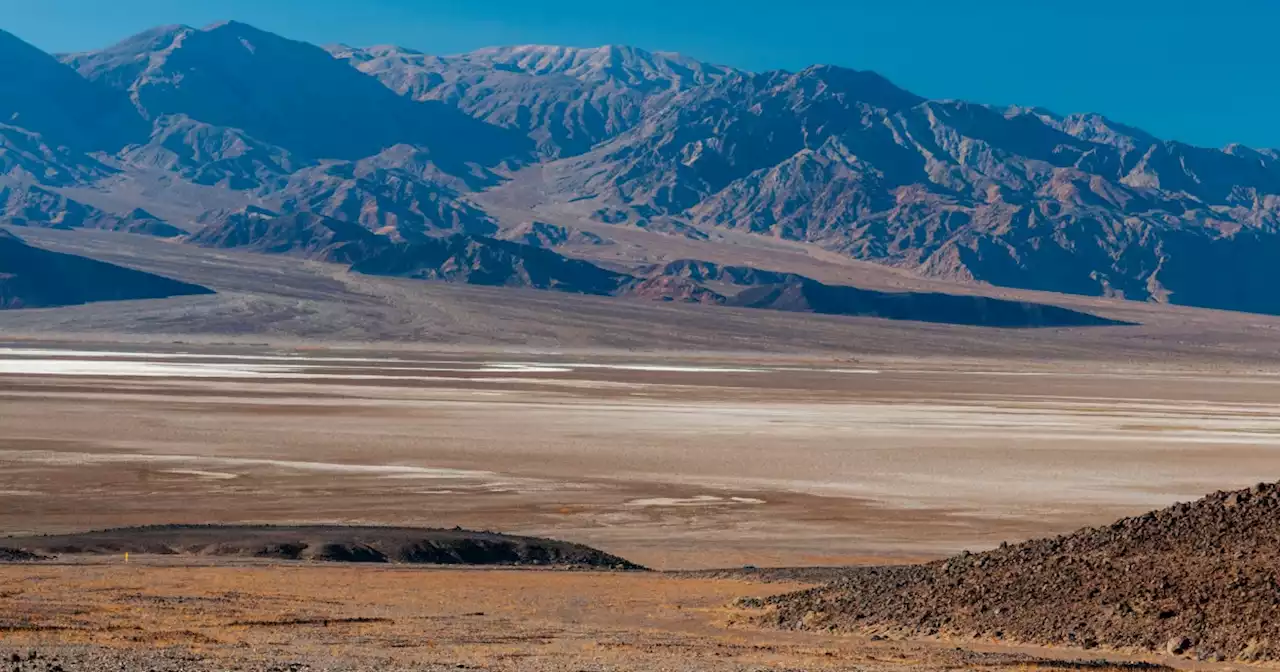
(1198, 579)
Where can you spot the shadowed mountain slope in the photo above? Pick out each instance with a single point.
(34, 278)
(44, 96)
(286, 93)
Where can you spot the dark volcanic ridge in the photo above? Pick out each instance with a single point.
(1197, 579)
(31, 277)
(325, 543)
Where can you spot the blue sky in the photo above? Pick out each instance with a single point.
(1205, 72)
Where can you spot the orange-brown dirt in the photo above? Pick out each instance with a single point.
(149, 615)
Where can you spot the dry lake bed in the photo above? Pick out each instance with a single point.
(673, 461)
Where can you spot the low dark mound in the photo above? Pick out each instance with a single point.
(34, 278)
(17, 555)
(477, 260)
(329, 543)
(809, 296)
(1200, 579)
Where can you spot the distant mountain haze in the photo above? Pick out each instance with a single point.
(329, 144)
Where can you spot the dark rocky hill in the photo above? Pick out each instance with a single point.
(34, 278)
(477, 260)
(1197, 579)
(400, 545)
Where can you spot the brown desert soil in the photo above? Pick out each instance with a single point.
(1199, 580)
(154, 616)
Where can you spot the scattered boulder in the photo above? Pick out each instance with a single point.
(18, 555)
(1178, 646)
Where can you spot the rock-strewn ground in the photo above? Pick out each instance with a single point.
(1197, 579)
(16, 555)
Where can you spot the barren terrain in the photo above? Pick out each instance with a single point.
(676, 437)
(672, 462)
(151, 615)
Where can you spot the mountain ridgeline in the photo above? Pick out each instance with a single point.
(231, 136)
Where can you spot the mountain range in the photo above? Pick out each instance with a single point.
(382, 158)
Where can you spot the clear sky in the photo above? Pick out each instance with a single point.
(1201, 71)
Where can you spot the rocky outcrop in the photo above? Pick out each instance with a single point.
(542, 234)
(302, 234)
(1195, 579)
(478, 260)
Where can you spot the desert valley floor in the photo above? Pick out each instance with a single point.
(675, 463)
(678, 437)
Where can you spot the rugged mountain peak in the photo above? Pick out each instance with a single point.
(238, 27)
(285, 93)
(565, 99)
(616, 64)
(358, 55)
(861, 85)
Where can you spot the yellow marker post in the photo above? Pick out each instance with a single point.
(126, 557)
